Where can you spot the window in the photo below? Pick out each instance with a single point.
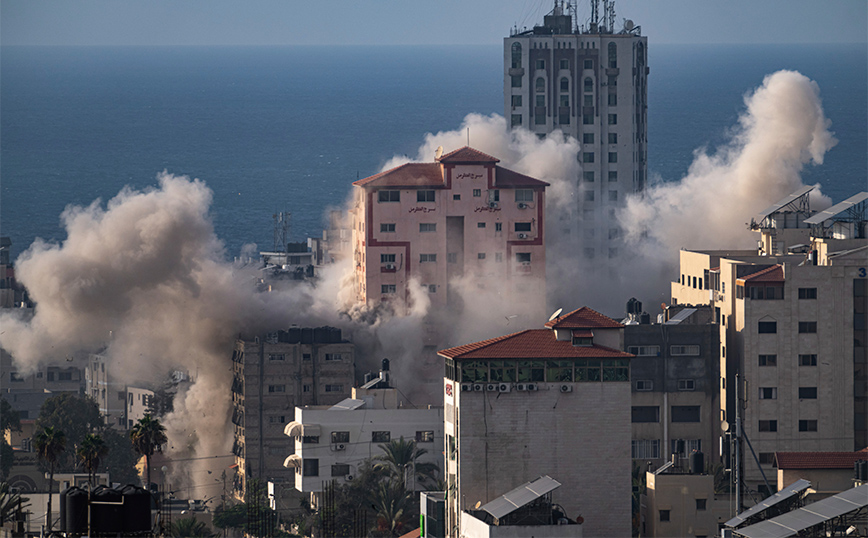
(645, 449)
(480, 255)
(516, 100)
(310, 467)
(613, 175)
(540, 64)
(588, 157)
(588, 100)
(588, 138)
(387, 288)
(664, 515)
(480, 225)
(807, 327)
(807, 293)
(685, 413)
(686, 384)
(588, 119)
(477, 193)
(516, 55)
(498, 256)
(276, 357)
(456, 197)
(522, 226)
(768, 360)
(644, 385)
(589, 84)
(333, 356)
(305, 356)
(588, 176)
(427, 258)
(565, 64)
(768, 393)
(588, 64)
(612, 82)
(613, 101)
(387, 258)
(276, 388)
(807, 393)
(613, 196)
(613, 119)
(381, 437)
(498, 226)
(613, 55)
(425, 436)
(768, 425)
(281, 419)
(614, 233)
(389, 196)
(644, 351)
(426, 227)
(769, 327)
(340, 469)
(613, 156)
(524, 195)
(766, 458)
(589, 196)
(424, 196)
(334, 388)
(690, 351)
(522, 257)
(387, 228)
(432, 288)
(700, 504)
(540, 85)
(646, 413)
(452, 257)
(808, 360)
(807, 425)
(613, 139)
(305, 388)
(310, 439)
(515, 120)
(516, 81)
(340, 437)
(565, 82)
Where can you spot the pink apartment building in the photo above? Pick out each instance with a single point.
(461, 222)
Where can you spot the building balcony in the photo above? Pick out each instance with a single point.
(389, 268)
(516, 71)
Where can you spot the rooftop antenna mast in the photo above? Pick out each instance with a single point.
(281, 230)
(595, 16)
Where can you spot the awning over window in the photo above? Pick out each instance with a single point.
(297, 429)
(292, 462)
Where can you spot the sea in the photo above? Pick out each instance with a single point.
(290, 128)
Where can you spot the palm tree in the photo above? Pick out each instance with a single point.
(90, 454)
(399, 458)
(189, 528)
(49, 444)
(148, 436)
(392, 503)
(11, 504)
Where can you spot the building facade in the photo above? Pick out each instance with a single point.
(589, 83)
(273, 374)
(461, 218)
(553, 401)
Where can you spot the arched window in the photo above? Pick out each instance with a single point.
(540, 85)
(589, 84)
(516, 55)
(565, 84)
(613, 54)
(640, 54)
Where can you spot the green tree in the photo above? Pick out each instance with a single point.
(148, 436)
(121, 459)
(399, 458)
(7, 459)
(50, 444)
(253, 516)
(76, 416)
(394, 507)
(90, 454)
(11, 504)
(189, 528)
(10, 420)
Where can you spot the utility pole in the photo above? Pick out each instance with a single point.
(737, 443)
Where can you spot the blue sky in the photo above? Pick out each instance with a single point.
(405, 22)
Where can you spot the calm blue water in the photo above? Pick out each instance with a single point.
(290, 128)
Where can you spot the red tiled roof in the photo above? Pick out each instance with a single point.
(775, 273)
(415, 533)
(584, 318)
(503, 177)
(406, 175)
(531, 344)
(819, 460)
(467, 155)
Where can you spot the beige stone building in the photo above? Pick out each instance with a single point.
(828, 472)
(549, 402)
(679, 504)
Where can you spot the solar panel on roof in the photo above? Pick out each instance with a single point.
(784, 494)
(347, 405)
(821, 511)
(520, 496)
(785, 201)
(681, 316)
(837, 209)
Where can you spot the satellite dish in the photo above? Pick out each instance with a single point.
(556, 314)
(628, 25)
(438, 152)
(724, 426)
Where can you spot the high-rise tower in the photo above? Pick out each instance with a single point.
(590, 82)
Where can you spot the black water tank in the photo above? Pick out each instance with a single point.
(697, 462)
(321, 335)
(106, 511)
(860, 468)
(293, 335)
(645, 319)
(385, 365)
(74, 509)
(136, 509)
(307, 336)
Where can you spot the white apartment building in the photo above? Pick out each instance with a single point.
(331, 442)
(793, 327)
(591, 84)
(549, 402)
(460, 217)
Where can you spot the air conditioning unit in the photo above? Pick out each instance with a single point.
(491, 387)
(390, 266)
(466, 387)
(492, 204)
(340, 446)
(478, 387)
(525, 264)
(566, 388)
(504, 387)
(521, 386)
(522, 205)
(532, 387)
(522, 236)
(348, 478)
